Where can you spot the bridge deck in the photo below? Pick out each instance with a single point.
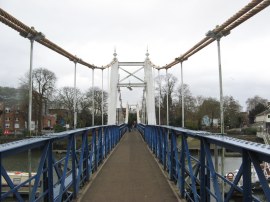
(130, 174)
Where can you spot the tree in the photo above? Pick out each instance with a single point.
(258, 109)
(189, 107)
(232, 109)
(254, 101)
(65, 100)
(211, 108)
(167, 85)
(87, 105)
(43, 86)
(255, 106)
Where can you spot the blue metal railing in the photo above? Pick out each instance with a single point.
(195, 175)
(59, 178)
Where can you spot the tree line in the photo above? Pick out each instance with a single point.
(46, 95)
(196, 107)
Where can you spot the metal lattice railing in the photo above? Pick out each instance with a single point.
(57, 177)
(195, 174)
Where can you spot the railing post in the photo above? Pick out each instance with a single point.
(94, 146)
(159, 144)
(105, 142)
(171, 157)
(182, 166)
(202, 172)
(50, 172)
(74, 170)
(100, 145)
(86, 165)
(165, 147)
(246, 177)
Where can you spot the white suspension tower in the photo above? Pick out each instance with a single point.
(146, 83)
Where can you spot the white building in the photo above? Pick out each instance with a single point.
(262, 121)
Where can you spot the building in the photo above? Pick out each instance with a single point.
(262, 122)
(13, 120)
(208, 122)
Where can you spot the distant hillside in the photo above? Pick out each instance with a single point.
(9, 95)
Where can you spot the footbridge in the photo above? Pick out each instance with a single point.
(145, 162)
(150, 163)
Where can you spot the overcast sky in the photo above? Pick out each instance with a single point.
(92, 29)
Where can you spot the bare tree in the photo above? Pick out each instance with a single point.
(64, 99)
(254, 101)
(43, 86)
(167, 84)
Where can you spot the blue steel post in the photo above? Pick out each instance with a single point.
(111, 136)
(86, 165)
(63, 177)
(0, 174)
(106, 141)
(81, 161)
(50, 172)
(175, 156)
(165, 152)
(39, 173)
(171, 157)
(151, 138)
(90, 158)
(159, 144)
(212, 171)
(193, 182)
(202, 172)
(261, 176)
(100, 155)
(182, 167)
(246, 176)
(74, 173)
(94, 146)
(155, 139)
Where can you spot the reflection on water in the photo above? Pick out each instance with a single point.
(19, 162)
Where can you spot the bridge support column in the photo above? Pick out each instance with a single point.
(138, 114)
(113, 93)
(150, 92)
(127, 113)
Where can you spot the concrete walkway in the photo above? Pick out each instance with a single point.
(131, 174)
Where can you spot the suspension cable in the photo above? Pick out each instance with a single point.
(241, 16)
(27, 32)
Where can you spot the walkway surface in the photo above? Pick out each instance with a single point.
(131, 174)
